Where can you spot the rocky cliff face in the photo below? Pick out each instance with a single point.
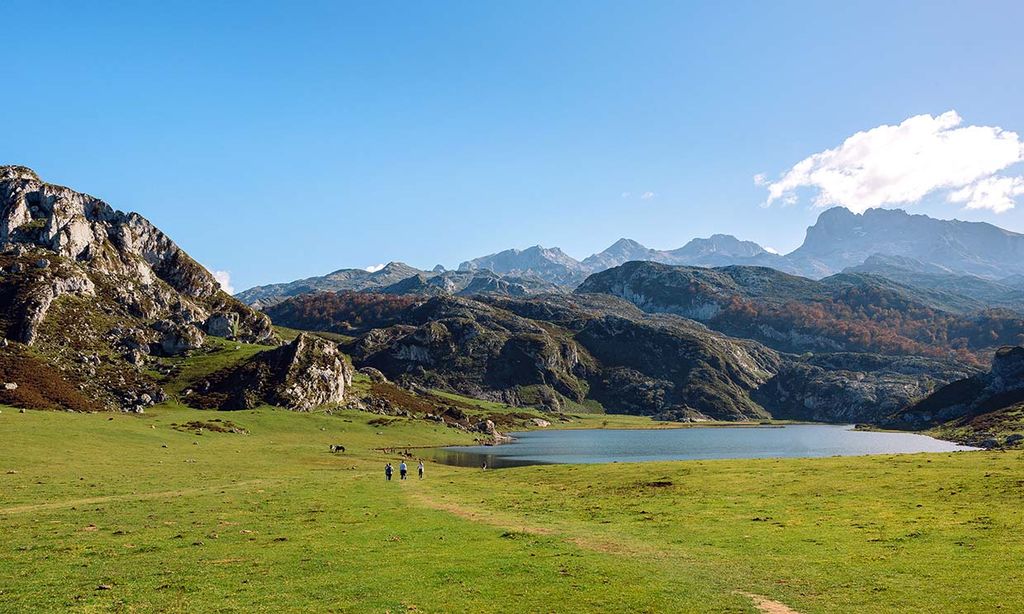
(95, 291)
(1002, 387)
(305, 374)
(474, 348)
(844, 387)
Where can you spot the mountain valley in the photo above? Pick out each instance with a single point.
(101, 310)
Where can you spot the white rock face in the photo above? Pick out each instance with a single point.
(316, 374)
(145, 271)
(82, 228)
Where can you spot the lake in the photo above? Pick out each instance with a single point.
(631, 446)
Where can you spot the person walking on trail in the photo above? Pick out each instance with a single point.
(402, 469)
(420, 469)
(388, 470)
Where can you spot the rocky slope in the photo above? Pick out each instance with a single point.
(563, 351)
(960, 293)
(984, 409)
(93, 299)
(305, 374)
(842, 313)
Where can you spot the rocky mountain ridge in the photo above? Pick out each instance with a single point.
(400, 278)
(840, 313)
(977, 265)
(980, 409)
(96, 298)
(565, 351)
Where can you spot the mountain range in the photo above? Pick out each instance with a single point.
(980, 263)
(99, 309)
(838, 240)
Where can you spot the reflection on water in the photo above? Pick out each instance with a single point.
(479, 456)
(611, 445)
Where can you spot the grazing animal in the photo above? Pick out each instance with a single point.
(337, 447)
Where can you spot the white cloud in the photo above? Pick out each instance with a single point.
(224, 279)
(626, 194)
(374, 268)
(903, 164)
(647, 195)
(995, 193)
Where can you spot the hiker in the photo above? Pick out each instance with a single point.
(403, 469)
(388, 470)
(420, 469)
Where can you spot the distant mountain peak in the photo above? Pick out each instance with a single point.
(841, 239)
(625, 243)
(549, 263)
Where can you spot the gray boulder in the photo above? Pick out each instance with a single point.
(374, 374)
(222, 324)
(178, 338)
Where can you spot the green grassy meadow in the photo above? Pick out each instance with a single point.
(103, 512)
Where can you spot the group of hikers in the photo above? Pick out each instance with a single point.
(403, 470)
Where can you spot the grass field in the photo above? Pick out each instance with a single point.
(165, 519)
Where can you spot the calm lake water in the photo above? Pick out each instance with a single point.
(630, 446)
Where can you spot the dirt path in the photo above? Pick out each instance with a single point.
(424, 500)
(56, 505)
(767, 606)
(764, 604)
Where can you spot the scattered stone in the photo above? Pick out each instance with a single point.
(540, 422)
(42, 263)
(10, 386)
(104, 587)
(1014, 439)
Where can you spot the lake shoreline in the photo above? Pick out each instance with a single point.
(721, 441)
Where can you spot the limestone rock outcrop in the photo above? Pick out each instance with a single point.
(76, 275)
(308, 373)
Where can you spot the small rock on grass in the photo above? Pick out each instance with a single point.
(104, 587)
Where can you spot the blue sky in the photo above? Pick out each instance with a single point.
(291, 139)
